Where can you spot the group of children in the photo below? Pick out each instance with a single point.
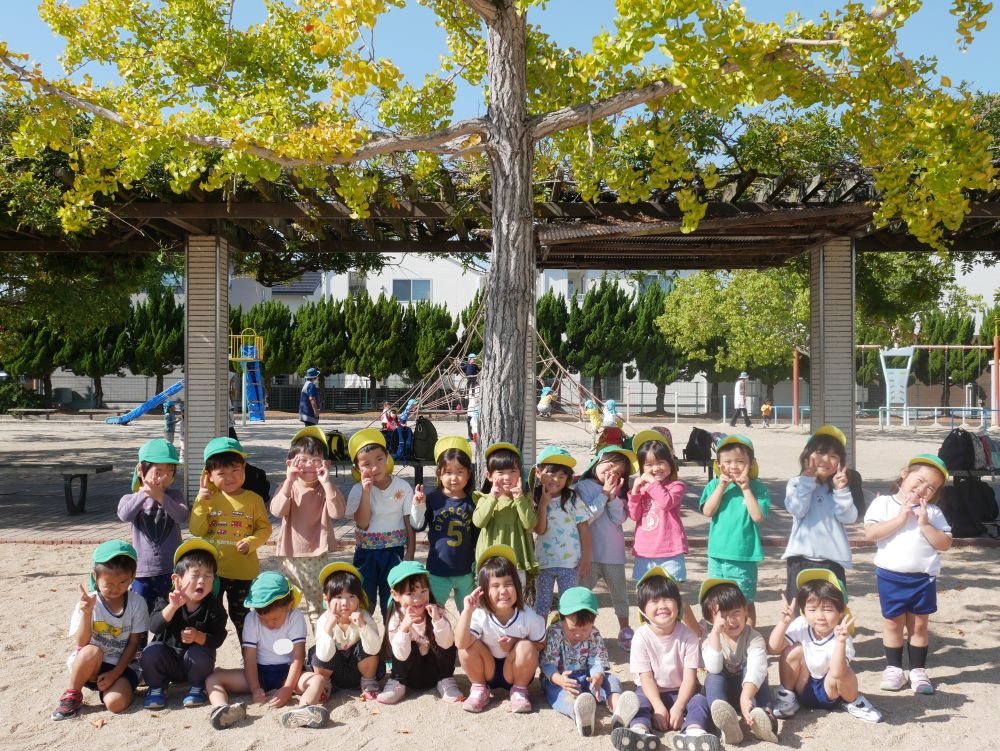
(489, 547)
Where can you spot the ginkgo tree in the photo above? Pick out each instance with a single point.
(216, 104)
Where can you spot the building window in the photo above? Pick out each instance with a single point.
(356, 284)
(411, 290)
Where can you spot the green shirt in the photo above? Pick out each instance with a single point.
(507, 521)
(733, 534)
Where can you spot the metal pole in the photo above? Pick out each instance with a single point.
(996, 378)
(724, 407)
(676, 413)
(795, 387)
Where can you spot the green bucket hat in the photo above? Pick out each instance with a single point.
(221, 445)
(575, 599)
(108, 550)
(630, 458)
(553, 455)
(404, 570)
(156, 451)
(931, 461)
(268, 587)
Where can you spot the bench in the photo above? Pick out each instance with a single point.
(69, 472)
(19, 413)
(707, 466)
(91, 413)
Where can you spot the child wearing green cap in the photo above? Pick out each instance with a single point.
(157, 513)
(274, 655)
(233, 519)
(911, 532)
(106, 626)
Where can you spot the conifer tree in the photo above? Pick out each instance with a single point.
(375, 337)
(435, 336)
(272, 320)
(37, 355)
(319, 337)
(156, 336)
(658, 361)
(598, 337)
(551, 318)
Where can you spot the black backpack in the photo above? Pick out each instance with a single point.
(958, 451)
(966, 505)
(256, 481)
(699, 446)
(425, 435)
(338, 446)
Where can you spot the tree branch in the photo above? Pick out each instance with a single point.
(450, 140)
(485, 9)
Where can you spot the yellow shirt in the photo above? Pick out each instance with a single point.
(224, 520)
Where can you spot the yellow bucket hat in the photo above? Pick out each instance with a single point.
(332, 568)
(712, 582)
(498, 446)
(457, 442)
(652, 436)
(497, 551)
(313, 431)
(824, 574)
(834, 432)
(367, 437)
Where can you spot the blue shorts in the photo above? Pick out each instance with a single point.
(128, 674)
(498, 681)
(900, 593)
(814, 695)
(272, 676)
(673, 565)
(744, 573)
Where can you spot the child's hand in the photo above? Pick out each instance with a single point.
(243, 547)
(746, 704)
(642, 483)
(906, 506)
(506, 643)
(291, 471)
(418, 495)
(435, 612)
(105, 682)
(613, 484)
(258, 696)
(724, 479)
(843, 629)
(921, 513)
(87, 600)
(676, 717)
(357, 619)
(367, 480)
(743, 479)
(204, 491)
(810, 469)
(583, 570)
(840, 477)
(323, 473)
(281, 697)
(192, 635)
(516, 490)
(176, 598)
(566, 682)
(661, 719)
(718, 622)
(787, 612)
(596, 681)
(472, 599)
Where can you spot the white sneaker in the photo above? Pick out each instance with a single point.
(449, 690)
(585, 713)
(785, 703)
(626, 708)
(393, 692)
(893, 679)
(763, 726)
(919, 681)
(727, 721)
(863, 710)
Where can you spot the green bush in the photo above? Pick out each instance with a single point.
(13, 396)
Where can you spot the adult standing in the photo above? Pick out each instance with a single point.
(740, 400)
(309, 398)
(471, 370)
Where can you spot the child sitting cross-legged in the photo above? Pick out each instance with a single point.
(274, 653)
(575, 666)
(107, 624)
(816, 649)
(188, 625)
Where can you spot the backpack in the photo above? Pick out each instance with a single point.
(338, 446)
(966, 505)
(401, 443)
(699, 446)
(665, 432)
(256, 481)
(425, 435)
(957, 451)
(979, 461)
(987, 443)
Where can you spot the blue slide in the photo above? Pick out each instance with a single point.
(156, 401)
(255, 391)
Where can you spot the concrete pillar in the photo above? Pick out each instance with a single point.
(531, 388)
(206, 350)
(831, 366)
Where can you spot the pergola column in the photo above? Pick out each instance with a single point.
(831, 366)
(530, 391)
(206, 350)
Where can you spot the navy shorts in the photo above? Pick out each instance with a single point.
(129, 674)
(272, 676)
(814, 695)
(498, 681)
(900, 593)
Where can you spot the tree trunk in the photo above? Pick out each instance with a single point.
(661, 389)
(507, 341)
(47, 387)
(598, 388)
(159, 383)
(770, 392)
(98, 393)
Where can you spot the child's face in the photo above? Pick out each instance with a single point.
(658, 469)
(413, 602)
(735, 620)
(553, 480)
(343, 604)
(608, 466)
(502, 594)
(662, 613)
(821, 615)
(827, 463)
(504, 479)
(921, 483)
(228, 479)
(275, 618)
(453, 478)
(196, 583)
(158, 475)
(576, 631)
(734, 460)
(113, 584)
(307, 465)
(374, 464)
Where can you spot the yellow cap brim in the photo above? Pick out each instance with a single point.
(833, 432)
(497, 551)
(712, 582)
(497, 446)
(312, 431)
(452, 442)
(196, 543)
(645, 436)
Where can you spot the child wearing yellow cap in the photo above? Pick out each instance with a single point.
(910, 531)
(504, 514)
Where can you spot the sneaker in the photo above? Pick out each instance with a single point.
(519, 701)
(893, 679)
(694, 740)
(727, 721)
(449, 690)
(863, 710)
(585, 713)
(312, 716)
(392, 693)
(479, 697)
(69, 705)
(919, 681)
(156, 698)
(626, 708)
(369, 689)
(634, 739)
(625, 638)
(785, 703)
(195, 697)
(763, 726)
(227, 714)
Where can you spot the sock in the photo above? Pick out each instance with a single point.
(694, 730)
(918, 656)
(477, 688)
(894, 657)
(519, 689)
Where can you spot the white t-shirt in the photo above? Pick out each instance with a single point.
(389, 506)
(524, 624)
(263, 639)
(906, 551)
(110, 631)
(818, 652)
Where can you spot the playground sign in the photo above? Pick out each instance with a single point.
(896, 380)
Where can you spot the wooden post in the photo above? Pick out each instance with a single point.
(795, 387)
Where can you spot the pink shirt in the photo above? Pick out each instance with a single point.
(307, 521)
(665, 657)
(656, 512)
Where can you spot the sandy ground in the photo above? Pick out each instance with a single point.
(41, 580)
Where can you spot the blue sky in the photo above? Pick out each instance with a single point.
(570, 22)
